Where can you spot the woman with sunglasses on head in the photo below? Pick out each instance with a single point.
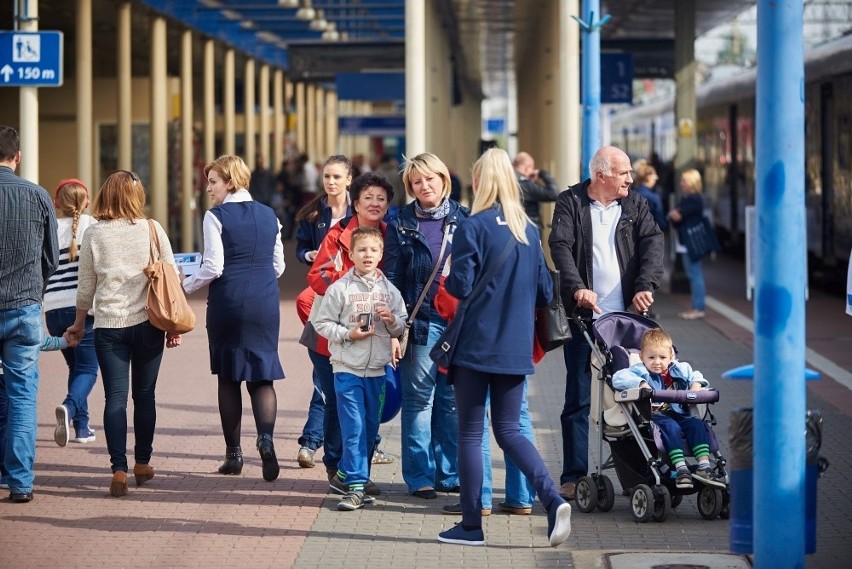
(71, 200)
(243, 258)
(113, 255)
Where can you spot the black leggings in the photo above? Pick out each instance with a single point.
(471, 388)
(264, 406)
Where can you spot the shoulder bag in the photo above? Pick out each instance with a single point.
(442, 352)
(167, 307)
(403, 340)
(551, 322)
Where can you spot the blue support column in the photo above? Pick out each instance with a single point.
(590, 77)
(779, 308)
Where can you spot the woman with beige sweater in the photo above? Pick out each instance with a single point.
(113, 254)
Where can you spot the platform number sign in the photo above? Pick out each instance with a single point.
(30, 59)
(616, 78)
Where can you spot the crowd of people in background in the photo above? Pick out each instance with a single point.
(387, 277)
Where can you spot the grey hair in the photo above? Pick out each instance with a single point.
(601, 162)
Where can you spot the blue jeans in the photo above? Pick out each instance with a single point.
(139, 347)
(20, 339)
(506, 391)
(332, 444)
(429, 420)
(696, 281)
(575, 412)
(519, 491)
(312, 431)
(359, 405)
(82, 364)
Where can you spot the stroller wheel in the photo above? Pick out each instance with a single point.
(606, 494)
(662, 503)
(642, 503)
(676, 500)
(587, 494)
(709, 503)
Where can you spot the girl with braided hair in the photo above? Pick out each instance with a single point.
(71, 201)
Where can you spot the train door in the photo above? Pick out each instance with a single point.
(827, 146)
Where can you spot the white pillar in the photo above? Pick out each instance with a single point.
(249, 102)
(320, 124)
(158, 185)
(187, 151)
(28, 97)
(567, 167)
(124, 120)
(415, 77)
(264, 115)
(229, 105)
(278, 119)
(311, 122)
(332, 145)
(209, 109)
(85, 146)
(301, 118)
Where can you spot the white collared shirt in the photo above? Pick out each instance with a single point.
(606, 274)
(213, 262)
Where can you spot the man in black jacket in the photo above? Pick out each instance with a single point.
(536, 185)
(609, 251)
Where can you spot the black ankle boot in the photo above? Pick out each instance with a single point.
(233, 461)
(267, 456)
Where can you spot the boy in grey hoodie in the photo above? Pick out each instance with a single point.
(359, 315)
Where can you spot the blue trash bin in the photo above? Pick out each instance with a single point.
(742, 473)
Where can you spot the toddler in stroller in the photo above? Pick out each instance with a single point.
(658, 370)
(645, 404)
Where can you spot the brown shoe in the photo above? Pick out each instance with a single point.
(118, 485)
(568, 490)
(143, 473)
(517, 510)
(692, 314)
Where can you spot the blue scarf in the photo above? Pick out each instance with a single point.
(439, 212)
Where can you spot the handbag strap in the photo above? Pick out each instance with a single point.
(489, 274)
(154, 242)
(431, 277)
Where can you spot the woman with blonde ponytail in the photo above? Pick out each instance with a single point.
(494, 350)
(71, 201)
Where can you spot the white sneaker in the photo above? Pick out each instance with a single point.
(63, 426)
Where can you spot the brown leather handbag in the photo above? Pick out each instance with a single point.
(167, 307)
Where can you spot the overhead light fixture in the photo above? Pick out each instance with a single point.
(319, 24)
(231, 15)
(247, 25)
(331, 33)
(288, 3)
(306, 13)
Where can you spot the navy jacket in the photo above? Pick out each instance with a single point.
(408, 263)
(655, 204)
(497, 332)
(309, 234)
(639, 245)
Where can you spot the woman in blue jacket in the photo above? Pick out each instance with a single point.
(412, 250)
(689, 213)
(495, 346)
(314, 220)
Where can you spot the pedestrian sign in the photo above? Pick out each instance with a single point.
(30, 59)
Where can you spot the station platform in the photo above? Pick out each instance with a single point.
(190, 516)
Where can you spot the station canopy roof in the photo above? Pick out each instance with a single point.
(315, 39)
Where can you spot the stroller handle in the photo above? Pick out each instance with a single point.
(685, 397)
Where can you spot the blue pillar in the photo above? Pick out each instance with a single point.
(779, 308)
(591, 84)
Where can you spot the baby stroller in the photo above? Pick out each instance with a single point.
(623, 420)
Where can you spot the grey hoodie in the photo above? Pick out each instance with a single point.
(344, 300)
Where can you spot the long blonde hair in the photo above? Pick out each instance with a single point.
(494, 181)
(71, 199)
(692, 179)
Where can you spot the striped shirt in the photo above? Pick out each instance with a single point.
(28, 244)
(61, 289)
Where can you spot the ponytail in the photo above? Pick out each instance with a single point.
(72, 249)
